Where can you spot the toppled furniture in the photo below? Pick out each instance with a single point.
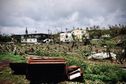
(46, 69)
(74, 73)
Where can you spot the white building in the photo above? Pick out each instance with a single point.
(79, 34)
(106, 36)
(29, 40)
(66, 37)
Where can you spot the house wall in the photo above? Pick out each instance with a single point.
(66, 37)
(78, 33)
(29, 40)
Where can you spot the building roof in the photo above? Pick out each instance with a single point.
(31, 34)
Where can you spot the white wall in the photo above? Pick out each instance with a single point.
(79, 34)
(29, 40)
(66, 37)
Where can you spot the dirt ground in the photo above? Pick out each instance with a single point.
(4, 64)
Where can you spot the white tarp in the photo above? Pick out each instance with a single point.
(102, 55)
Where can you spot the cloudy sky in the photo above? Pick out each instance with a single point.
(56, 15)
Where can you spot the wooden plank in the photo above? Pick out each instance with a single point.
(47, 63)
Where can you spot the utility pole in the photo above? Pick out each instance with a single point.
(66, 30)
(26, 33)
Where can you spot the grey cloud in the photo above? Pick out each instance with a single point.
(46, 14)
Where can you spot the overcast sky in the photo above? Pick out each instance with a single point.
(56, 15)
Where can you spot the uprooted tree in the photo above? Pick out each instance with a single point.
(121, 56)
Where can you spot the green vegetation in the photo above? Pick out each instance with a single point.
(105, 73)
(5, 38)
(11, 57)
(71, 59)
(96, 32)
(93, 72)
(6, 77)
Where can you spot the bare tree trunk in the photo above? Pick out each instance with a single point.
(109, 53)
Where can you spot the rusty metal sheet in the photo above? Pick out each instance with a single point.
(46, 60)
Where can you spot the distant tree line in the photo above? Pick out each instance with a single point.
(5, 38)
(95, 32)
(117, 30)
(112, 30)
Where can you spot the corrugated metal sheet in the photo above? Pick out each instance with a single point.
(46, 60)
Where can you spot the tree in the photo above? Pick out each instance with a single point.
(5, 38)
(117, 30)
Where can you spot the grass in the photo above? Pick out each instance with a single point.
(6, 76)
(94, 72)
(11, 57)
(104, 72)
(70, 58)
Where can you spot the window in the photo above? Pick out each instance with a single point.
(66, 36)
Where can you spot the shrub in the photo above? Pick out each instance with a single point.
(12, 57)
(106, 73)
